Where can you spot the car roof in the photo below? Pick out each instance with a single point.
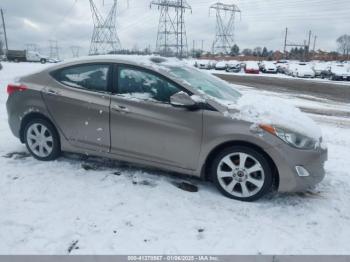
(151, 62)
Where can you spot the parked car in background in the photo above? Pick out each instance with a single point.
(268, 67)
(282, 66)
(204, 64)
(320, 68)
(251, 67)
(168, 116)
(222, 65)
(54, 60)
(25, 56)
(302, 70)
(213, 64)
(347, 64)
(233, 66)
(338, 72)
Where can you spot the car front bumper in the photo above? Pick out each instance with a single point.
(290, 160)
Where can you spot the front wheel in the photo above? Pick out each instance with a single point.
(242, 173)
(42, 140)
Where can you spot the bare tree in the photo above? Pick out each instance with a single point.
(344, 45)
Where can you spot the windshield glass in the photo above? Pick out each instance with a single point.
(206, 83)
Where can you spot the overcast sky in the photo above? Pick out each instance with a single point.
(262, 23)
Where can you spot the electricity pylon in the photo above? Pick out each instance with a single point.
(3, 36)
(225, 28)
(104, 37)
(54, 49)
(171, 38)
(75, 50)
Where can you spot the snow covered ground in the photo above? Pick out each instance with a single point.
(60, 207)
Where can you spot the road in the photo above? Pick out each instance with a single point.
(323, 90)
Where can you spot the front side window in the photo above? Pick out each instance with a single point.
(208, 84)
(142, 85)
(90, 77)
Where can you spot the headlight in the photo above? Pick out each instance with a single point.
(291, 138)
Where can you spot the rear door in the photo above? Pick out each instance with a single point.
(145, 126)
(78, 99)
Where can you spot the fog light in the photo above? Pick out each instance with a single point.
(302, 171)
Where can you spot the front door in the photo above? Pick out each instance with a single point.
(78, 99)
(145, 126)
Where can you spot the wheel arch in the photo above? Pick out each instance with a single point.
(205, 172)
(29, 117)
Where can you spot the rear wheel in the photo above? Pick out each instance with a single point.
(241, 173)
(42, 140)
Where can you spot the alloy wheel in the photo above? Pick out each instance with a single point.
(240, 175)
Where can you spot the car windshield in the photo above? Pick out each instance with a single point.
(206, 83)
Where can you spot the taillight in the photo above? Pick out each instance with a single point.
(12, 88)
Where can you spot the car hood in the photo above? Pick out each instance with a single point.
(304, 70)
(260, 109)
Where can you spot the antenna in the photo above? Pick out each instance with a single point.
(104, 38)
(224, 39)
(171, 38)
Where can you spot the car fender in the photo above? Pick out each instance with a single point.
(219, 131)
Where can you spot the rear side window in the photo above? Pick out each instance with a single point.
(89, 77)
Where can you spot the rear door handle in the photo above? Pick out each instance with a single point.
(120, 109)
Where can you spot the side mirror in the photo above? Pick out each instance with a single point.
(182, 99)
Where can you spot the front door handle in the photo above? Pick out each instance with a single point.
(120, 109)
(52, 92)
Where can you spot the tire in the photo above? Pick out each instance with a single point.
(42, 140)
(245, 186)
(43, 61)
